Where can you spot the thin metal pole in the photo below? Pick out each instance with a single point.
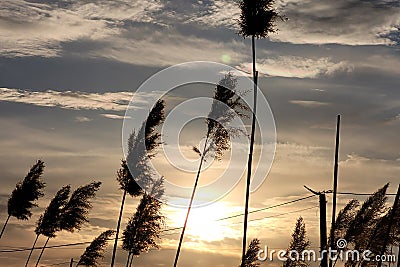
(250, 159)
(335, 185)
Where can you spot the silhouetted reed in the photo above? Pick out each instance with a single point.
(23, 197)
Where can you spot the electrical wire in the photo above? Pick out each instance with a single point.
(253, 211)
(267, 208)
(221, 219)
(362, 194)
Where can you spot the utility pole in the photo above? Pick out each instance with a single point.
(335, 184)
(322, 226)
(391, 219)
(322, 229)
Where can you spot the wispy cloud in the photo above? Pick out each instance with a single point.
(116, 28)
(118, 10)
(219, 13)
(309, 103)
(113, 116)
(299, 67)
(82, 119)
(33, 29)
(160, 49)
(117, 101)
(393, 120)
(316, 22)
(41, 29)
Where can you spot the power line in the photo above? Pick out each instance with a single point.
(282, 204)
(172, 229)
(254, 211)
(60, 263)
(281, 214)
(267, 208)
(361, 194)
(54, 246)
(221, 219)
(258, 219)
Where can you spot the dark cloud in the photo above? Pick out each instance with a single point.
(343, 22)
(97, 28)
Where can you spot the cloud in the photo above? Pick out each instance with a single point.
(314, 22)
(309, 103)
(153, 47)
(113, 116)
(388, 63)
(299, 152)
(220, 13)
(40, 29)
(127, 31)
(341, 22)
(299, 67)
(82, 119)
(117, 101)
(116, 28)
(118, 10)
(374, 171)
(393, 120)
(28, 29)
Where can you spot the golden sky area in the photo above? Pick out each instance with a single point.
(69, 69)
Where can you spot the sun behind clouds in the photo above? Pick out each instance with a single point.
(203, 224)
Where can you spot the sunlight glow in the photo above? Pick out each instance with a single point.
(203, 224)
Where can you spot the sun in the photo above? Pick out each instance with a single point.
(203, 224)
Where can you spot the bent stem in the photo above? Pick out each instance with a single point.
(128, 259)
(41, 252)
(191, 200)
(30, 253)
(4, 227)
(130, 264)
(118, 226)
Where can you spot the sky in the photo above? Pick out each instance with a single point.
(68, 70)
